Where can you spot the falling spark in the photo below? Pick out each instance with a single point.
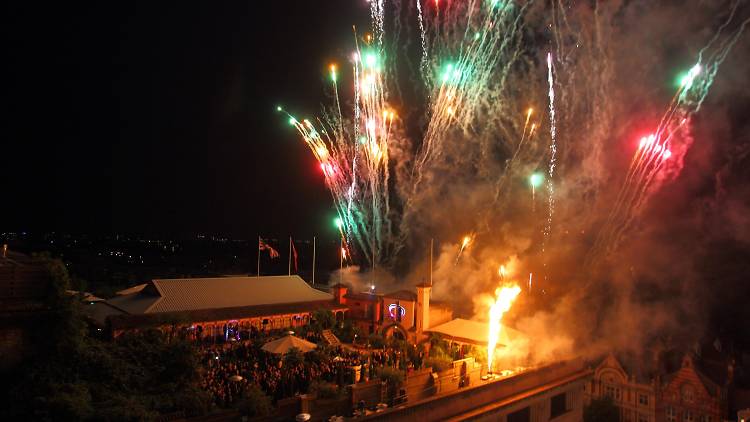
(423, 62)
(464, 244)
(530, 274)
(553, 152)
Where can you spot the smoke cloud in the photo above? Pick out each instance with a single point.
(657, 281)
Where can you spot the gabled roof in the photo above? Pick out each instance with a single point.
(402, 295)
(191, 294)
(688, 365)
(131, 290)
(363, 296)
(440, 304)
(611, 363)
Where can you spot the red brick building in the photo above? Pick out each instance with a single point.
(688, 395)
(671, 391)
(404, 313)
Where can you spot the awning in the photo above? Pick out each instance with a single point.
(473, 332)
(282, 345)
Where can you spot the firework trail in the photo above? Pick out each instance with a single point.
(649, 166)
(465, 242)
(355, 161)
(423, 39)
(479, 75)
(553, 153)
(484, 41)
(377, 12)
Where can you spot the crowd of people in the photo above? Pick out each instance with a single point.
(230, 367)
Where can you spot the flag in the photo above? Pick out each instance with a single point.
(263, 246)
(294, 252)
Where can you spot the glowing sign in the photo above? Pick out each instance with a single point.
(392, 311)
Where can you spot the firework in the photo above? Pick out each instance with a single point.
(653, 152)
(553, 152)
(479, 79)
(504, 298)
(465, 242)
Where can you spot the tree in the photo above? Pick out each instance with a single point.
(347, 332)
(254, 402)
(79, 377)
(391, 376)
(601, 410)
(376, 341)
(439, 364)
(325, 390)
(65, 327)
(323, 319)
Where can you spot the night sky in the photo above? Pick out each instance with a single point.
(161, 119)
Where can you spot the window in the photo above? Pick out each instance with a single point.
(688, 416)
(642, 417)
(643, 399)
(671, 414)
(558, 405)
(523, 415)
(687, 392)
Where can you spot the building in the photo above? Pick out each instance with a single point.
(664, 393)
(24, 285)
(632, 393)
(234, 306)
(405, 314)
(223, 307)
(688, 395)
(549, 393)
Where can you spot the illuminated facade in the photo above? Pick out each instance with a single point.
(684, 395)
(405, 314)
(634, 397)
(688, 395)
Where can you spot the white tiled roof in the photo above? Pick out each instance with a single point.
(176, 295)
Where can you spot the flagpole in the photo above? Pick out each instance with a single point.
(258, 274)
(341, 260)
(432, 241)
(313, 277)
(290, 256)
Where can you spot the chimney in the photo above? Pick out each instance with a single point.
(339, 291)
(423, 307)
